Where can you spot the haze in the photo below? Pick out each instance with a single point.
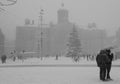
(105, 13)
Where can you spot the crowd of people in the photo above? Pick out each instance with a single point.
(104, 62)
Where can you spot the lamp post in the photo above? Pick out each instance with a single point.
(40, 40)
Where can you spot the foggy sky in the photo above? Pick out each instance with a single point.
(105, 13)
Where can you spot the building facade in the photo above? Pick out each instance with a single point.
(117, 51)
(118, 37)
(55, 37)
(28, 38)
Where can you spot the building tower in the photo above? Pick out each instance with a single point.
(62, 15)
(2, 41)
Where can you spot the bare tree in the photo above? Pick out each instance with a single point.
(6, 3)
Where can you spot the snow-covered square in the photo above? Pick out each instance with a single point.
(54, 74)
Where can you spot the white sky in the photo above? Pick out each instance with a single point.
(105, 13)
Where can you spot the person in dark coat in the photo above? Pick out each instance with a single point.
(110, 56)
(3, 58)
(101, 60)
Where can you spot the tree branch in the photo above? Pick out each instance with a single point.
(12, 2)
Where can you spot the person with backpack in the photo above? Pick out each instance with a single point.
(102, 59)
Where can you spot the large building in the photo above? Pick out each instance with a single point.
(118, 37)
(117, 51)
(28, 38)
(25, 38)
(56, 36)
(92, 40)
(2, 41)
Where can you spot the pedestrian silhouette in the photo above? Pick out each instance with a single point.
(102, 60)
(3, 58)
(108, 66)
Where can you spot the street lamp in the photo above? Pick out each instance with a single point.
(40, 40)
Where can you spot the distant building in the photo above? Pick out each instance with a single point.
(2, 41)
(117, 52)
(59, 33)
(25, 38)
(28, 38)
(92, 40)
(56, 36)
(118, 37)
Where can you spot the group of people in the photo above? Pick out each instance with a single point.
(104, 62)
(4, 57)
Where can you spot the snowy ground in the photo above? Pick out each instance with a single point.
(52, 61)
(55, 75)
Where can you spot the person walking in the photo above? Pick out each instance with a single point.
(3, 58)
(109, 64)
(101, 60)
